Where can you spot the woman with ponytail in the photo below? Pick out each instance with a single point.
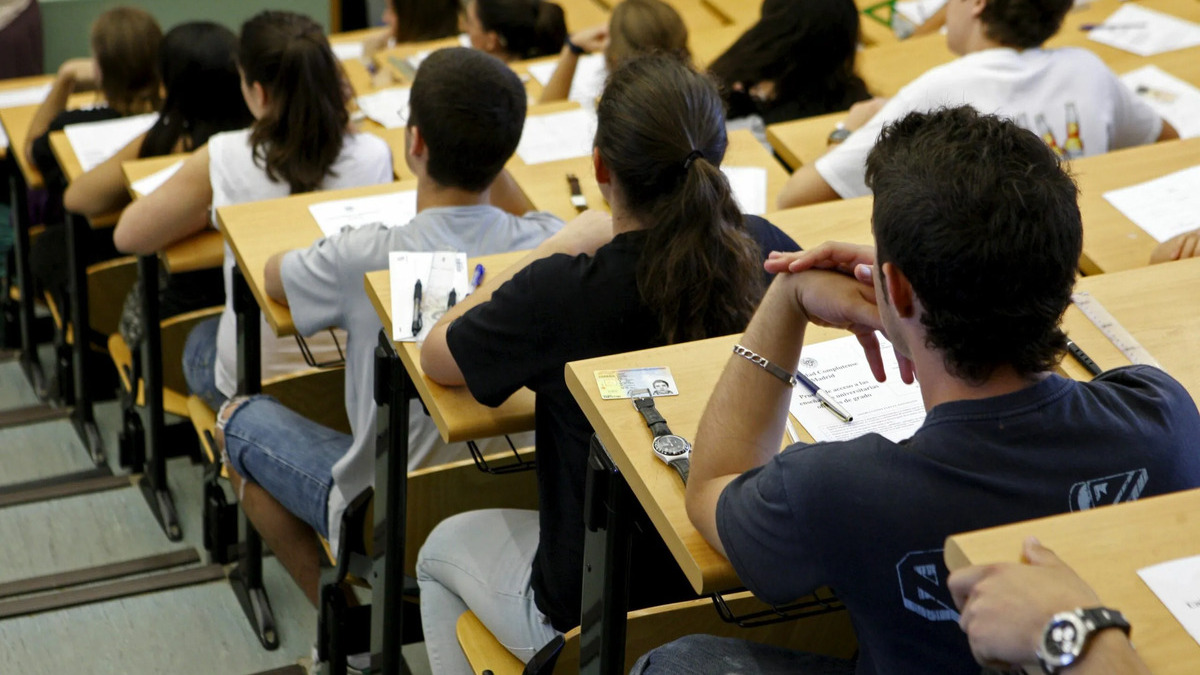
(515, 30)
(300, 141)
(676, 261)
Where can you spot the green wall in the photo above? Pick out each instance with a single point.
(65, 23)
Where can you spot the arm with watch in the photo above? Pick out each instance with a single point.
(1039, 613)
(586, 41)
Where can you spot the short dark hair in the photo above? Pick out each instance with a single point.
(984, 222)
(470, 109)
(1023, 24)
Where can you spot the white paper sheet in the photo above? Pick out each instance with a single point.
(749, 185)
(17, 97)
(388, 107)
(155, 180)
(95, 142)
(892, 409)
(1163, 207)
(345, 51)
(1177, 101)
(1145, 32)
(588, 84)
(391, 210)
(918, 11)
(1177, 585)
(438, 273)
(549, 138)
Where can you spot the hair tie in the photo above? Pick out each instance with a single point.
(693, 156)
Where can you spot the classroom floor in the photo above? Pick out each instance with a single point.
(195, 629)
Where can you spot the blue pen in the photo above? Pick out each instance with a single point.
(478, 276)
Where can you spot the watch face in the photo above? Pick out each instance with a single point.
(672, 446)
(1063, 639)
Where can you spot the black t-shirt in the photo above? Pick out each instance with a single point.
(869, 517)
(47, 165)
(557, 310)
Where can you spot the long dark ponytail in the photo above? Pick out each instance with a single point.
(300, 135)
(661, 133)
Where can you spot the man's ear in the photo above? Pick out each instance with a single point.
(415, 142)
(899, 290)
(600, 167)
(977, 7)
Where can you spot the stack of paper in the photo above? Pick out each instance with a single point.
(155, 180)
(1145, 32)
(891, 409)
(749, 185)
(430, 284)
(95, 142)
(549, 138)
(388, 107)
(1177, 101)
(590, 75)
(390, 210)
(19, 97)
(1163, 207)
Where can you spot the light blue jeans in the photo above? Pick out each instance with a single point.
(710, 655)
(481, 561)
(200, 362)
(287, 454)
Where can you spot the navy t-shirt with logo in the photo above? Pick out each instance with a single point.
(869, 517)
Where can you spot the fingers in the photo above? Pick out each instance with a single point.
(1039, 555)
(962, 582)
(908, 374)
(1190, 247)
(870, 345)
(837, 256)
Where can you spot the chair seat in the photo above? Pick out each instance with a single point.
(481, 647)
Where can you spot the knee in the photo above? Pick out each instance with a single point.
(674, 657)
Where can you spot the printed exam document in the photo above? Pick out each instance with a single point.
(19, 97)
(588, 84)
(749, 184)
(424, 282)
(891, 409)
(155, 180)
(1177, 101)
(388, 107)
(390, 210)
(1177, 585)
(1145, 32)
(94, 142)
(1163, 207)
(549, 138)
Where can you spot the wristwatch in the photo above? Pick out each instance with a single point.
(839, 134)
(1066, 635)
(577, 198)
(672, 449)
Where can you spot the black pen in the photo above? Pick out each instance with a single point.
(1082, 357)
(416, 308)
(452, 299)
(824, 397)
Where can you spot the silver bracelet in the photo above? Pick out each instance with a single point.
(788, 378)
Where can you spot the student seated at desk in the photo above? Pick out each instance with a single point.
(515, 30)
(456, 148)
(635, 27)
(677, 261)
(1067, 96)
(414, 21)
(977, 241)
(797, 61)
(299, 142)
(123, 66)
(198, 64)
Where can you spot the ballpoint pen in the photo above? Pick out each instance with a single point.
(416, 325)
(1082, 357)
(477, 278)
(824, 397)
(577, 198)
(452, 299)
(1111, 26)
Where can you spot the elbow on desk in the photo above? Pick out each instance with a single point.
(125, 241)
(438, 364)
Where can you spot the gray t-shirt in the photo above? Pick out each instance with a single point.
(324, 286)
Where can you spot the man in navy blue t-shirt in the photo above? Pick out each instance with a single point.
(978, 235)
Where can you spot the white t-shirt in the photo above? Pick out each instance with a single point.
(324, 286)
(365, 160)
(1067, 96)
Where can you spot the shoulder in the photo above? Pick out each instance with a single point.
(365, 147)
(1145, 383)
(222, 146)
(769, 237)
(1075, 57)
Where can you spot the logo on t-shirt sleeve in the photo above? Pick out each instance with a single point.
(923, 585)
(1121, 487)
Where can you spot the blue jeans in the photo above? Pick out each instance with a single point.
(200, 362)
(710, 655)
(481, 561)
(286, 454)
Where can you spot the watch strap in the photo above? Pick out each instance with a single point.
(683, 465)
(1100, 618)
(654, 419)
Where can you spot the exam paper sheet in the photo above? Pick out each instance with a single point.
(588, 83)
(1163, 207)
(439, 274)
(1177, 585)
(1145, 32)
(749, 184)
(155, 180)
(345, 51)
(390, 210)
(94, 142)
(1178, 102)
(549, 138)
(19, 97)
(892, 409)
(388, 107)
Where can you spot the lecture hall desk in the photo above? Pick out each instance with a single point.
(22, 83)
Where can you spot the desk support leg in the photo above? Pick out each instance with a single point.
(246, 577)
(154, 472)
(393, 391)
(30, 362)
(607, 535)
(81, 352)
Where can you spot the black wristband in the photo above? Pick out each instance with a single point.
(575, 49)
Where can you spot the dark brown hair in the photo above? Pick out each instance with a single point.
(644, 26)
(419, 20)
(661, 133)
(125, 43)
(301, 133)
(1023, 24)
(527, 28)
